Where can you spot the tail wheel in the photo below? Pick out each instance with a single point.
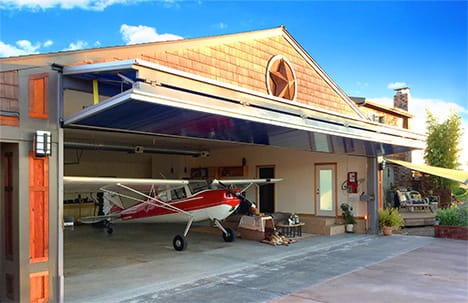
(179, 243)
(230, 236)
(109, 227)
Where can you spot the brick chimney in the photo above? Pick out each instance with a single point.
(401, 98)
(402, 175)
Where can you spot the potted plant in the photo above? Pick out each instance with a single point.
(389, 220)
(348, 217)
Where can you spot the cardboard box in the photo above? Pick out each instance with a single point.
(250, 234)
(255, 227)
(257, 223)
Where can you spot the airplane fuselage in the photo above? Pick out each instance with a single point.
(204, 205)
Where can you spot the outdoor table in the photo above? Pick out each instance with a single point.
(291, 230)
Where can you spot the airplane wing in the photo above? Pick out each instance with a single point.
(135, 189)
(94, 184)
(245, 184)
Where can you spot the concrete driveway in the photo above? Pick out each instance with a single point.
(137, 264)
(435, 272)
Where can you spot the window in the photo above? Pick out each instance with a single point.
(378, 118)
(178, 193)
(163, 195)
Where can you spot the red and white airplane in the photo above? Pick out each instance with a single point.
(166, 201)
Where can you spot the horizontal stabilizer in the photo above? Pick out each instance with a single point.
(96, 219)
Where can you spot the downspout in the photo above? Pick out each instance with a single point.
(373, 190)
(60, 167)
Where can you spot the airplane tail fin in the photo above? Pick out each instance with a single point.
(112, 204)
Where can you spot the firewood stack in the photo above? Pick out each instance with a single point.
(276, 238)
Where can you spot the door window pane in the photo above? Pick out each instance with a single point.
(326, 194)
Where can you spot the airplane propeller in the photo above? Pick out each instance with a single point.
(244, 206)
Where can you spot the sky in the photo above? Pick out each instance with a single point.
(368, 48)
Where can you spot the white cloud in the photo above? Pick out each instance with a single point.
(221, 25)
(141, 33)
(130, 34)
(27, 46)
(383, 100)
(48, 43)
(76, 45)
(7, 50)
(358, 87)
(440, 108)
(97, 5)
(395, 85)
(22, 47)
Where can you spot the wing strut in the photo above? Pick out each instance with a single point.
(166, 205)
(163, 204)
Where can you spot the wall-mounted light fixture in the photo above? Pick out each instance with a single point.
(381, 162)
(42, 143)
(382, 165)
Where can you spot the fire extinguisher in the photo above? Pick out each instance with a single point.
(351, 182)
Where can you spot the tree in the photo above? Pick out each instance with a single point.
(443, 146)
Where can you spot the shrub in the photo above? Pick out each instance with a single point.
(459, 191)
(456, 215)
(390, 217)
(461, 194)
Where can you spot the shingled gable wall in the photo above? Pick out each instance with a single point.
(239, 59)
(245, 63)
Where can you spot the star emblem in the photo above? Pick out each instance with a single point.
(281, 80)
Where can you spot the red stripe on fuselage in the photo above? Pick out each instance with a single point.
(201, 200)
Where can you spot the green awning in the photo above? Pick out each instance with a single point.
(452, 174)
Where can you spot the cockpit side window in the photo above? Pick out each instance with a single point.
(163, 196)
(178, 193)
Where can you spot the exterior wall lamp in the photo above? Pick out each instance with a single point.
(42, 144)
(382, 163)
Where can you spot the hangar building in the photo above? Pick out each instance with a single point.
(252, 104)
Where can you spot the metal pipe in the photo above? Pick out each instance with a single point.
(133, 149)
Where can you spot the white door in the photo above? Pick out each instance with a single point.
(325, 181)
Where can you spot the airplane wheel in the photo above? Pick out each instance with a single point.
(179, 242)
(109, 227)
(230, 236)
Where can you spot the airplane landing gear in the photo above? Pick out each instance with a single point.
(230, 236)
(179, 243)
(109, 227)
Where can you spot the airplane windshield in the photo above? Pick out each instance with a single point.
(198, 186)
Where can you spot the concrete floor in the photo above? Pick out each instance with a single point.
(138, 264)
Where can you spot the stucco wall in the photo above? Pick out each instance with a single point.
(296, 193)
